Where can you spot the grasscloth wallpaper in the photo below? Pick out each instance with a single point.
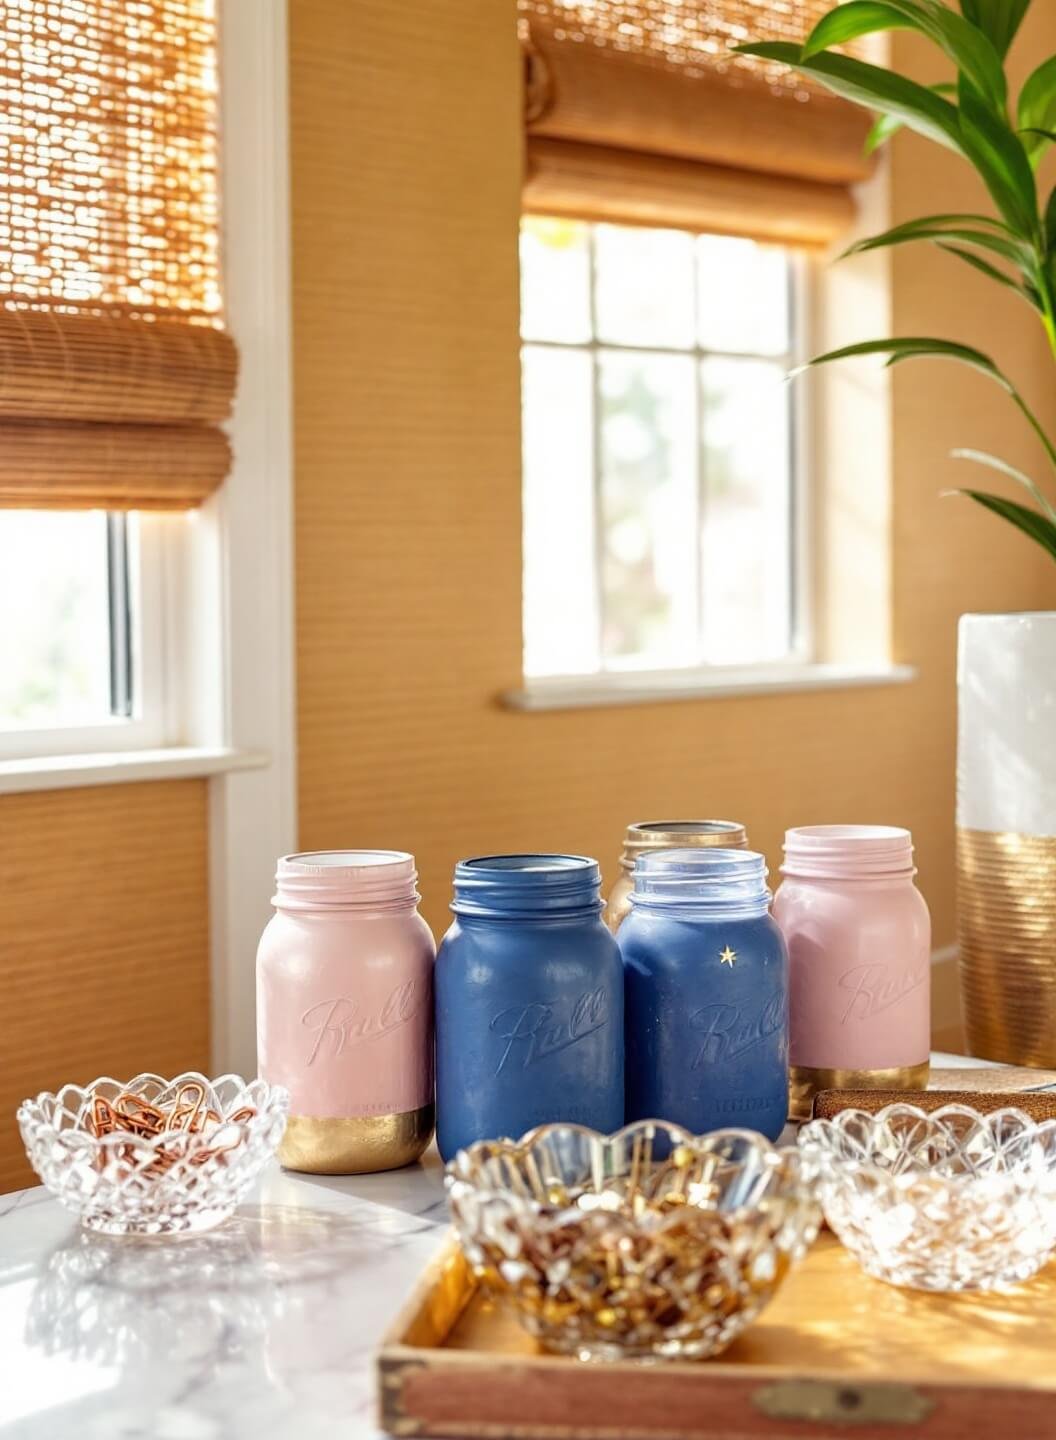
(104, 934)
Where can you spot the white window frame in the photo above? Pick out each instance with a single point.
(155, 557)
(818, 313)
(800, 647)
(245, 558)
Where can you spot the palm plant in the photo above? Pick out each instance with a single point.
(1004, 140)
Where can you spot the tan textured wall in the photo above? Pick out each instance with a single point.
(104, 944)
(405, 163)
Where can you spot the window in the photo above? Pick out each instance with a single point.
(117, 374)
(82, 664)
(660, 483)
(64, 580)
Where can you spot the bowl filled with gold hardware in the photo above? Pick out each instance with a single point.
(649, 1243)
(948, 1200)
(152, 1156)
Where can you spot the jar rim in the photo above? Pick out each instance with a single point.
(526, 863)
(323, 862)
(848, 852)
(341, 879)
(683, 827)
(859, 836)
(527, 884)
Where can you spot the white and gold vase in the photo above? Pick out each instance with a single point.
(1006, 835)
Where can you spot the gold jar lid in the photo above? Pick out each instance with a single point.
(679, 834)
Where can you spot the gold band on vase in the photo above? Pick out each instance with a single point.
(806, 1081)
(355, 1145)
(1006, 933)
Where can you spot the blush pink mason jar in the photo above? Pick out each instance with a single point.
(859, 946)
(345, 1010)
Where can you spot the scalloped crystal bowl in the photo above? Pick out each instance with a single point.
(951, 1200)
(127, 1184)
(649, 1243)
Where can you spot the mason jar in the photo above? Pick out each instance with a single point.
(345, 1010)
(706, 993)
(529, 1002)
(859, 943)
(646, 835)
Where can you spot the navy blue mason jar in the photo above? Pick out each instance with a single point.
(529, 1002)
(706, 993)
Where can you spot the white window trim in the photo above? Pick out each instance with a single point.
(47, 748)
(618, 681)
(168, 719)
(245, 563)
(101, 767)
(573, 692)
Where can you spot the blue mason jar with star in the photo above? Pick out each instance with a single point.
(705, 993)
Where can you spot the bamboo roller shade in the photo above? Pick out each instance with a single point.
(115, 369)
(637, 112)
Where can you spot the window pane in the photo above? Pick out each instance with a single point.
(560, 601)
(648, 508)
(55, 632)
(746, 519)
(742, 296)
(658, 505)
(644, 286)
(555, 279)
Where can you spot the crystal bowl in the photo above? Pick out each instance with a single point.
(951, 1200)
(124, 1183)
(646, 1243)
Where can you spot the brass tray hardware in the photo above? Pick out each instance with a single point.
(838, 1403)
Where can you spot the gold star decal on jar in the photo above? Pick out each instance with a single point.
(727, 957)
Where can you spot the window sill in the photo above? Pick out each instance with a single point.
(575, 692)
(67, 772)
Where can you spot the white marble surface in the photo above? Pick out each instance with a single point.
(263, 1329)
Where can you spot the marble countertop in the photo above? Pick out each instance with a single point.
(264, 1328)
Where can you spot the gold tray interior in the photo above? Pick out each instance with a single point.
(829, 1318)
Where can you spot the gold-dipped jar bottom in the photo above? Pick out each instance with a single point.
(1006, 932)
(806, 1081)
(356, 1145)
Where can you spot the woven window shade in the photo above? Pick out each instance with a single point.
(637, 111)
(115, 368)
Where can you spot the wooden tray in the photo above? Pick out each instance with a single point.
(835, 1355)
